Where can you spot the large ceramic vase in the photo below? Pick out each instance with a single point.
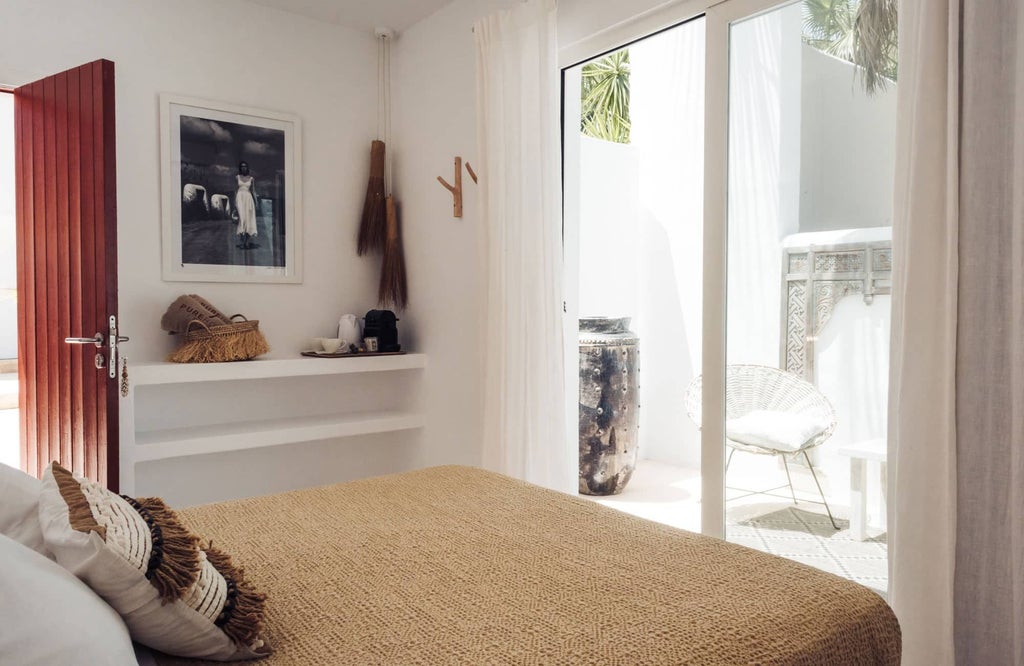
(609, 404)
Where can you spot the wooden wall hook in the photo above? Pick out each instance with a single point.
(472, 174)
(456, 189)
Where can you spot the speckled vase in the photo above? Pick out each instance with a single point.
(609, 404)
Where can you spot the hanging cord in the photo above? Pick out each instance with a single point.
(380, 87)
(389, 156)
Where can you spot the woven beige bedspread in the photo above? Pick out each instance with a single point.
(454, 565)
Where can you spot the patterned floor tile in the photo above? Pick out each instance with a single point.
(804, 533)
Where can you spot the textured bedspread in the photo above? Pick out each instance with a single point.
(453, 565)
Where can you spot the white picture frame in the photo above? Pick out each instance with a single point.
(206, 220)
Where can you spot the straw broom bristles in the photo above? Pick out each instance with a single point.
(372, 223)
(394, 291)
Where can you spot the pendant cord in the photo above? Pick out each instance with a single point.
(388, 157)
(380, 87)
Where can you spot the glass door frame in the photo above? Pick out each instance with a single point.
(719, 16)
(718, 22)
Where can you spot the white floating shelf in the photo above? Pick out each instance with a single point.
(148, 374)
(198, 440)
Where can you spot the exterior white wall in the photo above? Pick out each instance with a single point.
(848, 144)
(667, 110)
(611, 224)
(764, 178)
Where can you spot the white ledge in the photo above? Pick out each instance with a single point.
(146, 374)
(197, 440)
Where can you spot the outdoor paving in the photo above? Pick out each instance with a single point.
(670, 494)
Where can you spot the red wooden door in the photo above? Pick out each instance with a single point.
(67, 270)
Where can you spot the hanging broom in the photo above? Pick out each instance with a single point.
(394, 291)
(372, 224)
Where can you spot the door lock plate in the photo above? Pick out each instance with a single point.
(101, 361)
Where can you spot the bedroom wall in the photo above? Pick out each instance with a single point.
(234, 52)
(245, 54)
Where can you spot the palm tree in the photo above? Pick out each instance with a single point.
(606, 98)
(862, 32)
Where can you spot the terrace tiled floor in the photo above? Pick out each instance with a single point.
(670, 495)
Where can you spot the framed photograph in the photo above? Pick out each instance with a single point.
(232, 192)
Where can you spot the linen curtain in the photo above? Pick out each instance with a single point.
(957, 397)
(520, 199)
(989, 580)
(922, 381)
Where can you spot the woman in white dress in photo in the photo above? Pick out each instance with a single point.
(245, 207)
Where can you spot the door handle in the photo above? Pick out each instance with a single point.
(95, 340)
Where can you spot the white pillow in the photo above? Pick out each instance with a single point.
(781, 431)
(50, 617)
(19, 508)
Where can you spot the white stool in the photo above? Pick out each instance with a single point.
(859, 454)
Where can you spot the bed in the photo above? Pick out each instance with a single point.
(454, 565)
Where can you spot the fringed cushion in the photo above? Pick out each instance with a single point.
(175, 594)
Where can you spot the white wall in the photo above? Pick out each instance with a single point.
(8, 263)
(667, 112)
(848, 144)
(434, 70)
(233, 52)
(245, 54)
(611, 223)
(764, 177)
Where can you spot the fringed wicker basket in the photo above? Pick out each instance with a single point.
(237, 341)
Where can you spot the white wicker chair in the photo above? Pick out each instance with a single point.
(758, 387)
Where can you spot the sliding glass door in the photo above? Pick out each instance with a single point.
(805, 193)
(634, 171)
(727, 186)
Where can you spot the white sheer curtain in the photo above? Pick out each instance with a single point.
(922, 383)
(989, 581)
(518, 133)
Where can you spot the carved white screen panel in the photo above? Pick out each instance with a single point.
(815, 278)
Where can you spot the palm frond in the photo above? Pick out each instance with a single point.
(875, 42)
(605, 98)
(862, 32)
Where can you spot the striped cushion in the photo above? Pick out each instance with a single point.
(175, 594)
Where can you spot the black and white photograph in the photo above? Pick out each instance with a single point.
(230, 190)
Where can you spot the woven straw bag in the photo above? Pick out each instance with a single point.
(235, 341)
(189, 307)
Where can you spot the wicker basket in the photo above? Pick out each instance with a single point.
(237, 341)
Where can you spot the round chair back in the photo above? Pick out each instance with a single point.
(753, 387)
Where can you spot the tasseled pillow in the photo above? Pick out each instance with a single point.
(174, 594)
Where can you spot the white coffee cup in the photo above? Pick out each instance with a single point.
(316, 344)
(331, 345)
